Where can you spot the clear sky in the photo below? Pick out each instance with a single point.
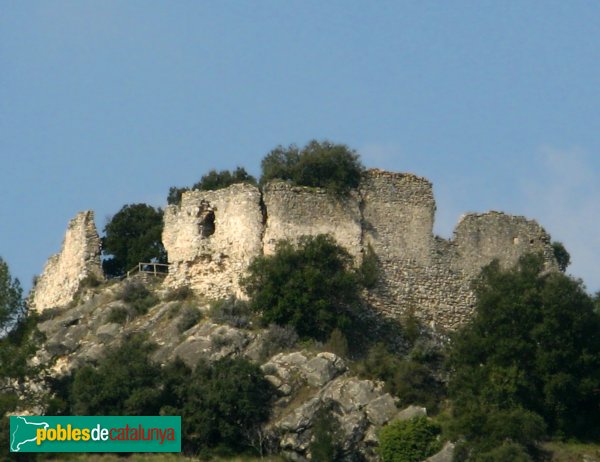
(105, 103)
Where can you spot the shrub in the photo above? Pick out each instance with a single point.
(224, 403)
(337, 343)
(410, 380)
(211, 181)
(181, 294)
(311, 287)
(116, 386)
(492, 434)
(334, 167)
(409, 440)
(231, 311)
(138, 297)
(218, 180)
(277, 339)
(118, 314)
(189, 317)
(369, 268)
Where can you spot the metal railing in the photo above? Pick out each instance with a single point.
(157, 269)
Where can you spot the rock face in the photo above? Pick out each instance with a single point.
(64, 272)
(359, 406)
(212, 237)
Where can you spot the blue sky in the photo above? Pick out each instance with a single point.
(105, 103)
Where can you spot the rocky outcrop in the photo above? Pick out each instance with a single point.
(309, 382)
(78, 260)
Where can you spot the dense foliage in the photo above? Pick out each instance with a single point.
(133, 236)
(19, 340)
(408, 440)
(311, 287)
(410, 380)
(222, 404)
(12, 306)
(529, 359)
(334, 167)
(125, 382)
(211, 181)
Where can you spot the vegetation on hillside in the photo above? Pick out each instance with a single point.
(19, 338)
(223, 405)
(310, 286)
(528, 364)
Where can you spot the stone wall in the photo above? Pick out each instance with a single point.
(391, 212)
(79, 258)
(295, 211)
(211, 237)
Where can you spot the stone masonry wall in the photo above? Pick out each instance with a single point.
(295, 211)
(391, 212)
(79, 258)
(211, 237)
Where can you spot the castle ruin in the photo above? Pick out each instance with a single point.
(212, 236)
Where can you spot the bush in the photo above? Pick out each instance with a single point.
(410, 380)
(117, 386)
(311, 287)
(409, 440)
(118, 314)
(334, 167)
(277, 339)
(189, 317)
(492, 434)
(231, 311)
(369, 268)
(181, 294)
(211, 181)
(337, 343)
(224, 404)
(138, 297)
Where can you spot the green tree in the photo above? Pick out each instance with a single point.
(311, 287)
(132, 236)
(222, 179)
(19, 340)
(213, 180)
(125, 382)
(334, 167)
(532, 345)
(12, 305)
(225, 404)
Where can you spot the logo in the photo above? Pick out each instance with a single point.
(95, 434)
